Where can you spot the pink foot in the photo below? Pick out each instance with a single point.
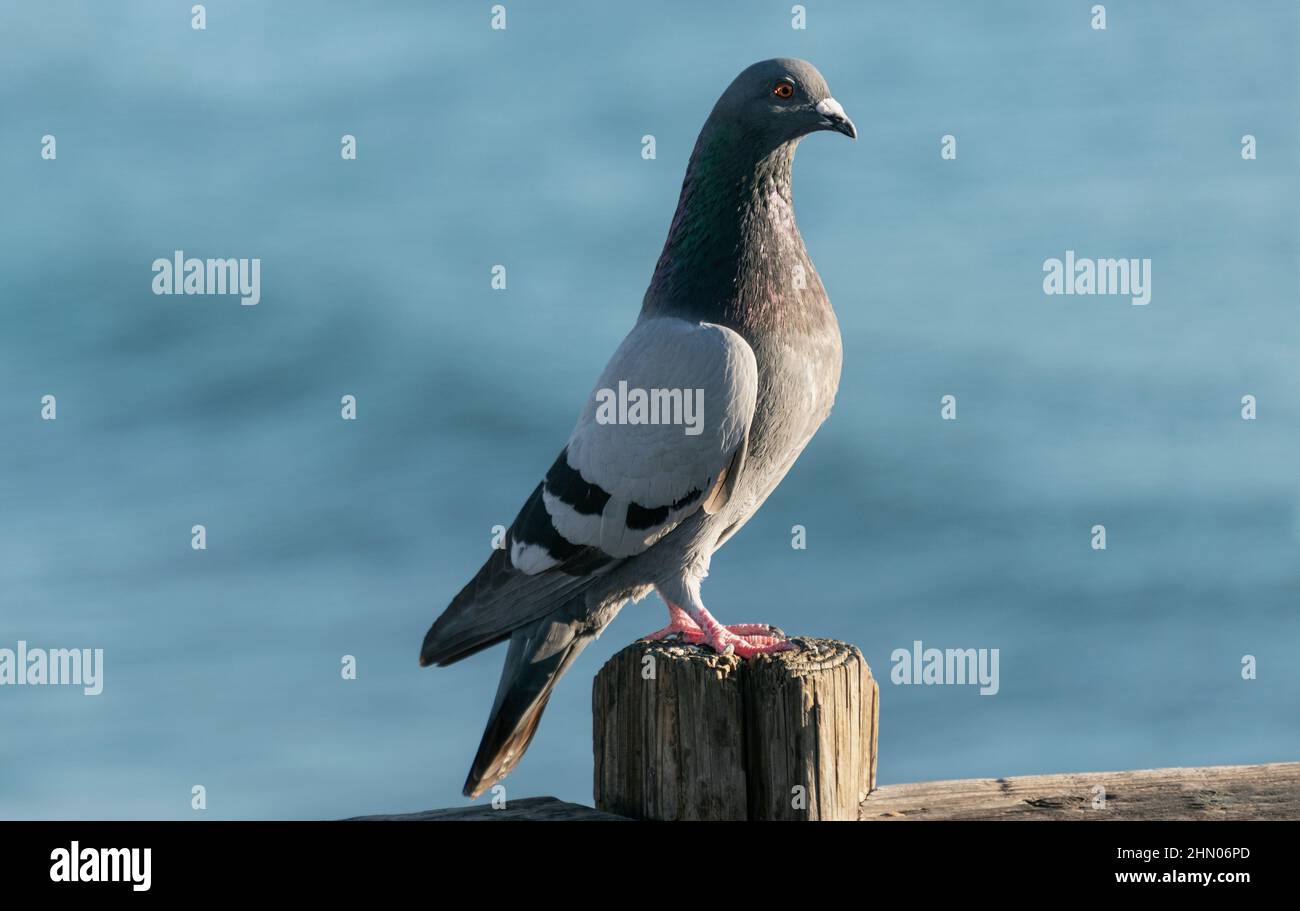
(744, 639)
(724, 641)
(679, 624)
(753, 629)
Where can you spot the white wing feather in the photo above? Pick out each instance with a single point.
(649, 466)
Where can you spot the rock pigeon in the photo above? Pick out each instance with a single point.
(735, 323)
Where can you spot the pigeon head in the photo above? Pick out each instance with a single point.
(780, 100)
(733, 254)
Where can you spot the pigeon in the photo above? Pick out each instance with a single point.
(737, 351)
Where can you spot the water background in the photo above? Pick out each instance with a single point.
(522, 147)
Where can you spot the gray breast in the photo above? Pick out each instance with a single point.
(798, 379)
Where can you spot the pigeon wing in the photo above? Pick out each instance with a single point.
(663, 434)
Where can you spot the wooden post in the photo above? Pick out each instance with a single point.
(683, 733)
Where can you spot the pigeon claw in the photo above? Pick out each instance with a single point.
(742, 639)
(726, 642)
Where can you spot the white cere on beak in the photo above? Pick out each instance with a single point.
(829, 107)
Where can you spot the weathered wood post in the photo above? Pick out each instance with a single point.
(683, 733)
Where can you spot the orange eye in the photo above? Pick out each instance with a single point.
(783, 90)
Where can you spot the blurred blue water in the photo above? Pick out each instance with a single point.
(522, 147)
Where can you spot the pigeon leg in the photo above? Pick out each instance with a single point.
(681, 624)
(723, 639)
(697, 626)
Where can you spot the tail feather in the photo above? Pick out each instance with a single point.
(496, 602)
(539, 655)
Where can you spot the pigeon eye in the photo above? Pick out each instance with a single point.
(783, 90)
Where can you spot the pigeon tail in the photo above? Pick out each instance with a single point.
(539, 655)
(496, 602)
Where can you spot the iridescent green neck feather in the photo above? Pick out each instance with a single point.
(734, 255)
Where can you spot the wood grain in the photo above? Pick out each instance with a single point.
(668, 735)
(682, 733)
(1270, 791)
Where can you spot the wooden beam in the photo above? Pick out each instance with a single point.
(1270, 791)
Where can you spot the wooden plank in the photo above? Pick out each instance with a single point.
(540, 809)
(682, 733)
(1269, 791)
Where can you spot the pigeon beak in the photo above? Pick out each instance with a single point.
(835, 119)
